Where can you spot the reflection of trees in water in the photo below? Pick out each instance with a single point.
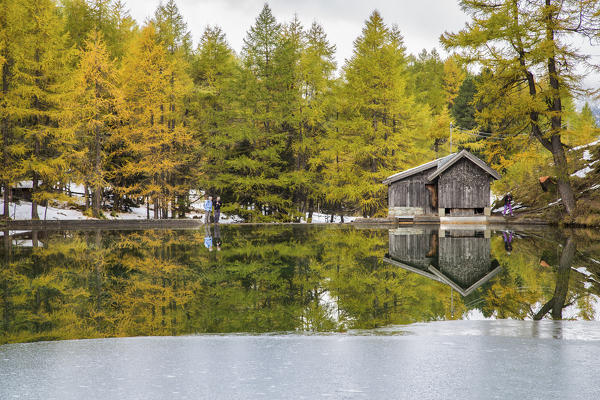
(279, 278)
(539, 272)
(557, 303)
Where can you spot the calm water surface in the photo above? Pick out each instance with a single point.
(59, 285)
(292, 312)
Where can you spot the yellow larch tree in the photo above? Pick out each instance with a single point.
(97, 109)
(41, 68)
(155, 87)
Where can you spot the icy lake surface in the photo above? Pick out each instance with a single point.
(463, 365)
(300, 311)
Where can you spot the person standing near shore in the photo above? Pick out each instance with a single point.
(207, 209)
(217, 209)
(508, 204)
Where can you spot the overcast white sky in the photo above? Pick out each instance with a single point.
(420, 21)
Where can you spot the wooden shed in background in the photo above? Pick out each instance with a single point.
(455, 185)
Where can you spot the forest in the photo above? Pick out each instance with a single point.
(139, 115)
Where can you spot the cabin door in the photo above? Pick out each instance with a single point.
(433, 197)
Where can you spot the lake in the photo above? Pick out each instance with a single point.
(347, 312)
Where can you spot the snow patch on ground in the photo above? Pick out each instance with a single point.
(585, 146)
(11, 233)
(320, 218)
(22, 211)
(582, 173)
(586, 156)
(136, 213)
(583, 271)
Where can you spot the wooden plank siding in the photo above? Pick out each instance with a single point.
(412, 192)
(464, 185)
(417, 250)
(465, 260)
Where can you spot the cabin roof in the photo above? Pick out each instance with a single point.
(415, 170)
(441, 165)
(472, 158)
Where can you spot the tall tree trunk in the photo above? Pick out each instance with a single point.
(562, 175)
(554, 144)
(86, 194)
(6, 201)
(4, 126)
(181, 205)
(116, 202)
(96, 201)
(555, 105)
(34, 210)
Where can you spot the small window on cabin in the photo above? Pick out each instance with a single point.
(447, 211)
(479, 211)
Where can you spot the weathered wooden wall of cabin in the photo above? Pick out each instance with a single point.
(416, 250)
(465, 260)
(411, 192)
(464, 185)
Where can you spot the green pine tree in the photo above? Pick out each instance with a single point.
(214, 71)
(378, 130)
(257, 167)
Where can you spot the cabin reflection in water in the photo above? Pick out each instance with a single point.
(459, 258)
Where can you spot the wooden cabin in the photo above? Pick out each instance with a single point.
(458, 258)
(455, 185)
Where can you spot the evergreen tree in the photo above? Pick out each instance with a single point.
(585, 128)
(172, 33)
(11, 147)
(171, 28)
(154, 90)
(124, 29)
(317, 66)
(376, 131)
(41, 68)
(453, 79)
(427, 80)
(109, 17)
(288, 109)
(96, 103)
(463, 110)
(256, 168)
(214, 70)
